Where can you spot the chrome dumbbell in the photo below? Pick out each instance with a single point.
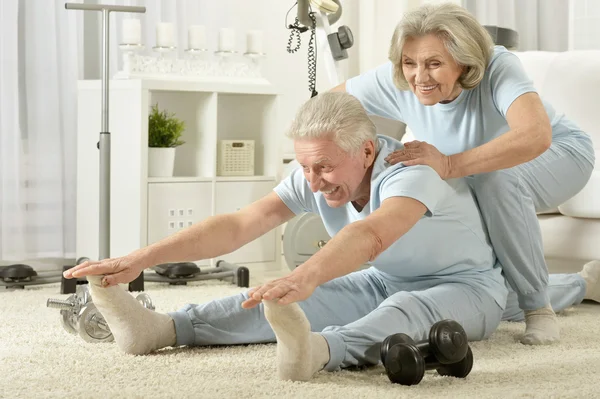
(71, 307)
(79, 315)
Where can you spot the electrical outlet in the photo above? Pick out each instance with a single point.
(190, 212)
(190, 223)
(171, 225)
(172, 213)
(181, 225)
(181, 212)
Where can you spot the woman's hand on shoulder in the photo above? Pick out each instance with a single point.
(421, 153)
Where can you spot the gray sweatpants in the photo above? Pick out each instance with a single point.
(509, 200)
(355, 313)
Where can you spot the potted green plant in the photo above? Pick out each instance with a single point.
(164, 135)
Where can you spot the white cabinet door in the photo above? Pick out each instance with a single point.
(230, 196)
(175, 206)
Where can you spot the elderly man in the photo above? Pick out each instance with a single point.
(423, 236)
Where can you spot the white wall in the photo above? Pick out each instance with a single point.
(288, 72)
(584, 24)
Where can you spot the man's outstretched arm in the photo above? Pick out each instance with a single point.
(212, 237)
(364, 240)
(354, 245)
(221, 234)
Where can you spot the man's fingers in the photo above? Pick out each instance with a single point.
(276, 292)
(74, 271)
(290, 297)
(249, 303)
(68, 273)
(259, 292)
(94, 270)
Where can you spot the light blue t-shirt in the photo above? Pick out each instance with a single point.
(448, 242)
(475, 117)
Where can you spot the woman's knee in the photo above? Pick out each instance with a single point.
(494, 182)
(501, 192)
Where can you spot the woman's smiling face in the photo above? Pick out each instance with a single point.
(430, 70)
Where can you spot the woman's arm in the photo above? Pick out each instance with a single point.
(529, 136)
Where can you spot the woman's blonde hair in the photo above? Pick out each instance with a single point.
(337, 116)
(466, 40)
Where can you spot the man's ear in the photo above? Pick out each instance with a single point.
(369, 152)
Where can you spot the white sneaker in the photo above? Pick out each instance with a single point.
(591, 275)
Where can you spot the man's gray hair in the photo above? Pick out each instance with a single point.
(337, 116)
(466, 40)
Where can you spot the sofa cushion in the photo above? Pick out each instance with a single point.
(570, 238)
(570, 82)
(586, 204)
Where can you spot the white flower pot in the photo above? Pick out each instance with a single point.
(161, 162)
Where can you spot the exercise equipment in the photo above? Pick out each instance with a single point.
(18, 276)
(446, 350)
(79, 315)
(447, 341)
(303, 236)
(184, 272)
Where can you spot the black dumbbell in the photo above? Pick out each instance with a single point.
(446, 350)
(447, 342)
(405, 365)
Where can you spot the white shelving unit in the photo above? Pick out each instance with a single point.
(146, 209)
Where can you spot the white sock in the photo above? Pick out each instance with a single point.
(300, 352)
(591, 275)
(541, 327)
(137, 330)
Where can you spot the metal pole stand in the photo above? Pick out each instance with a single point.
(69, 287)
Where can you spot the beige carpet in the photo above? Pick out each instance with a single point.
(38, 359)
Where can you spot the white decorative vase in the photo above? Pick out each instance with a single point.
(161, 161)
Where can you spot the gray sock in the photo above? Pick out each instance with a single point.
(591, 275)
(541, 327)
(300, 352)
(137, 330)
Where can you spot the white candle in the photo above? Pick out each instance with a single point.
(254, 41)
(165, 36)
(132, 31)
(226, 39)
(197, 36)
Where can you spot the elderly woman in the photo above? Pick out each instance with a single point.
(475, 113)
(424, 237)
